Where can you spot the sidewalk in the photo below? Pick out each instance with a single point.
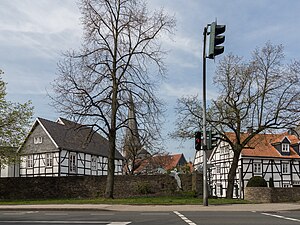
(158, 208)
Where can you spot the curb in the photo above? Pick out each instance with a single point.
(155, 208)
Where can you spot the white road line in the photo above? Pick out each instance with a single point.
(13, 213)
(65, 222)
(281, 217)
(119, 223)
(54, 222)
(56, 214)
(102, 214)
(155, 214)
(184, 218)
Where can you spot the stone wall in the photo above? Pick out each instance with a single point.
(94, 186)
(270, 195)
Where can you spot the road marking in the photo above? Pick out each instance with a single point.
(13, 213)
(32, 212)
(155, 214)
(56, 214)
(102, 214)
(54, 222)
(281, 217)
(119, 223)
(184, 218)
(19, 213)
(65, 222)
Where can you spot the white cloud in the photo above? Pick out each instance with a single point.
(176, 91)
(168, 90)
(184, 44)
(33, 33)
(44, 27)
(40, 16)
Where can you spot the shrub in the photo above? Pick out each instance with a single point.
(257, 181)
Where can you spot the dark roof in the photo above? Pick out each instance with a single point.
(76, 137)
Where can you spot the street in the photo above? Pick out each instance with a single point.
(147, 218)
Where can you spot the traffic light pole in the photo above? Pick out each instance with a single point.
(214, 49)
(204, 147)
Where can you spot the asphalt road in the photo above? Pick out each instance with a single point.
(147, 218)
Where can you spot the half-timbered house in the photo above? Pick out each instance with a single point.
(154, 164)
(275, 157)
(65, 148)
(9, 166)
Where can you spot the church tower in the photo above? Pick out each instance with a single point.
(133, 148)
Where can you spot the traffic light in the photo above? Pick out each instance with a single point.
(212, 140)
(198, 136)
(215, 39)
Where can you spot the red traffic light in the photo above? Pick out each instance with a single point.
(198, 136)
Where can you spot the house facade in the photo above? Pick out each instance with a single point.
(65, 148)
(163, 163)
(9, 168)
(275, 157)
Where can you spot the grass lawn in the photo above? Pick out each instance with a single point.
(166, 200)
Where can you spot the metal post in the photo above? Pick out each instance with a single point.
(240, 183)
(205, 194)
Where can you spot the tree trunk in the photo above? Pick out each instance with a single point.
(109, 191)
(232, 174)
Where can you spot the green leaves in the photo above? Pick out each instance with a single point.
(15, 119)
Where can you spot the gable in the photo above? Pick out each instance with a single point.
(182, 161)
(281, 145)
(296, 148)
(285, 140)
(76, 137)
(221, 152)
(30, 146)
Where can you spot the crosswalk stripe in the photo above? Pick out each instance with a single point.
(189, 222)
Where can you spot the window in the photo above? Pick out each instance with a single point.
(218, 169)
(29, 161)
(94, 163)
(285, 147)
(257, 168)
(37, 140)
(219, 190)
(72, 162)
(49, 159)
(222, 150)
(286, 185)
(285, 168)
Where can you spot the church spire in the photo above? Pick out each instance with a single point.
(132, 144)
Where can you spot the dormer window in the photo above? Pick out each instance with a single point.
(37, 140)
(285, 147)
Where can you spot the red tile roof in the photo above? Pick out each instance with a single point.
(173, 161)
(262, 145)
(168, 162)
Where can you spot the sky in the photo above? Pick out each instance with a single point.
(35, 33)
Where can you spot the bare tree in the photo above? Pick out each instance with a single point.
(135, 154)
(121, 47)
(263, 94)
(138, 144)
(189, 117)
